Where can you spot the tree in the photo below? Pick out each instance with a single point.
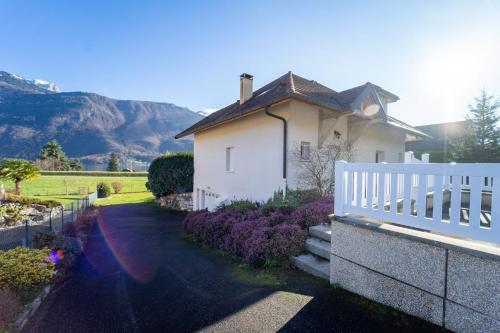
(75, 164)
(53, 158)
(18, 171)
(113, 164)
(481, 141)
(316, 171)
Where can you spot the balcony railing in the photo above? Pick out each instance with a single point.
(456, 199)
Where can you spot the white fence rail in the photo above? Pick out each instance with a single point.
(428, 196)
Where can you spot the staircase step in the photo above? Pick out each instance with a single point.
(313, 265)
(321, 231)
(319, 247)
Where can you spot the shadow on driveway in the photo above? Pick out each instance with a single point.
(138, 274)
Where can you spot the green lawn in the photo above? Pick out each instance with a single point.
(57, 186)
(126, 198)
(66, 189)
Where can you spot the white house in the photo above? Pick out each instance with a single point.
(243, 150)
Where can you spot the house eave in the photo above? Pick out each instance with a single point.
(261, 109)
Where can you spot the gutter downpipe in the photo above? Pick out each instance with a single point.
(285, 139)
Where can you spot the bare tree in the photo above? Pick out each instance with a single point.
(316, 166)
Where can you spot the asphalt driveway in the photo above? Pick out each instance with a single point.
(138, 274)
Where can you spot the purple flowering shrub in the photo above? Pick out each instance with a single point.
(264, 235)
(313, 213)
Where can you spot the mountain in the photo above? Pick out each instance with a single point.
(87, 125)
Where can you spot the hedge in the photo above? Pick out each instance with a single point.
(94, 173)
(170, 174)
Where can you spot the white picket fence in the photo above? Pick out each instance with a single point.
(377, 189)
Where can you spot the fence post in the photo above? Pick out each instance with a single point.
(62, 217)
(72, 211)
(408, 157)
(50, 219)
(338, 206)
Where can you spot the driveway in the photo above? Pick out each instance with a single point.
(138, 274)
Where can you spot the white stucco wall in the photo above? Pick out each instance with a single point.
(369, 139)
(257, 142)
(257, 150)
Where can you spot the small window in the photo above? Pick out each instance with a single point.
(229, 159)
(305, 150)
(379, 156)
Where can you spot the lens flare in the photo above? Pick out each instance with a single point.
(136, 250)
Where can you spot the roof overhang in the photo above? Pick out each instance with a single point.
(260, 109)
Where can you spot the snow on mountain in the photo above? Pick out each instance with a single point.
(46, 85)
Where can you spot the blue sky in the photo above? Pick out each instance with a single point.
(436, 55)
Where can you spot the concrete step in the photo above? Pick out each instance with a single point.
(319, 247)
(313, 265)
(322, 232)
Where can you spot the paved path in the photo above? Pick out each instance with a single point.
(139, 275)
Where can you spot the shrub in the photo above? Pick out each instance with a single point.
(103, 190)
(117, 187)
(313, 213)
(259, 236)
(171, 174)
(244, 204)
(22, 268)
(13, 215)
(294, 198)
(286, 240)
(31, 201)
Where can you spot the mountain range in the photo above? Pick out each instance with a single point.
(87, 125)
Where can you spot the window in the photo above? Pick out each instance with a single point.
(379, 156)
(229, 159)
(305, 150)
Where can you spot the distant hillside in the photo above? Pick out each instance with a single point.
(87, 125)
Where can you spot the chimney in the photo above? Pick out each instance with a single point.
(246, 89)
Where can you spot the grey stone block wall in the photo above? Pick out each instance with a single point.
(474, 282)
(415, 263)
(446, 281)
(385, 290)
(458, 318)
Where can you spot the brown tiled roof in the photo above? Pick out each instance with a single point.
(286, 86)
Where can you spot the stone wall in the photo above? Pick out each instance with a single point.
(180, 201)
(451, 282)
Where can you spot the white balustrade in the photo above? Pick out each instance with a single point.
(455, 199)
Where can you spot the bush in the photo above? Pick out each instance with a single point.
(239, 205)
(170, 174)
(117, 187)
(259, 236)
(313, 213)
(294, 198)
(103, 190)
(31, 201)
(23, 268)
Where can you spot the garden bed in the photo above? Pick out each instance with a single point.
(26, 272)
(14, 210)
(263, 235)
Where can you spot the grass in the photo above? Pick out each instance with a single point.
(66, 189)
(126, 198)
(57, 186)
